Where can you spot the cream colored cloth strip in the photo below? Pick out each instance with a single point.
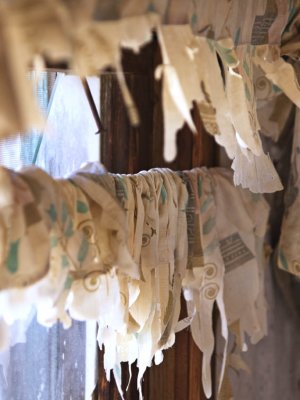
(278, 71)
(68, 243)
(165, 259)
(214, 108)
(150, 333)
(130, 213)
(175, 277)
(229, 112)
(209, 191)
(264, 21)
(22, 217)
(18, 108)
(203, 285)
(162, 270)
(238, 232)
(179, 75)
(161, 290)
(239, 112)
(159, 276)
(149, 255)
(44, 27)
(256, 173)
(201, 325)
(111, 217)
(141, 308)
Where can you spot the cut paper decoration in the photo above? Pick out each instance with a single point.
(208, 62)
(241, 234)
(179, 75)
(128, 244)
(213, 68)
(203, 284)
(18, 109)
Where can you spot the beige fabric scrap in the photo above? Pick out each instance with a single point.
(162, 270)
(264, 22)
(22, 218)
(110, 223)
(18, 109)
(214, 108)
(253, 169)
(176, 262)
(148, 259)
(240, 102)
(274, 109)
(233, 37)
(180, 88)
(241, 223)
(278, 71)
(57, 207)
(115, 289)
(203, 285)
(44, 28)
(141, 308)
(159, 276)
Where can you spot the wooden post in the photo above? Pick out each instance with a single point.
(129, 150)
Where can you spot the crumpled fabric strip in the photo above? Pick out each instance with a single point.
(203, 284)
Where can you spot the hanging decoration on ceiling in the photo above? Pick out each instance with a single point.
(209, 54)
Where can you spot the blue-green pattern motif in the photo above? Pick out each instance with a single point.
(208, 225)
(83, 250)
(283, 260)
(68, 283)
(69, 230)
(64, 213)
(53, 242)
(81, 207)
(207, 202)
(163, 194)
(52, 213)
(64, 261)
(228, 55)
(12, 261)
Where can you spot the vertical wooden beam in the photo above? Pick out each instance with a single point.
(128, 150)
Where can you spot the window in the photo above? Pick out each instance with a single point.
(53, 363)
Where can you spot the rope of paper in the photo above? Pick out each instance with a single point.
(191, 70)
(128, 244)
